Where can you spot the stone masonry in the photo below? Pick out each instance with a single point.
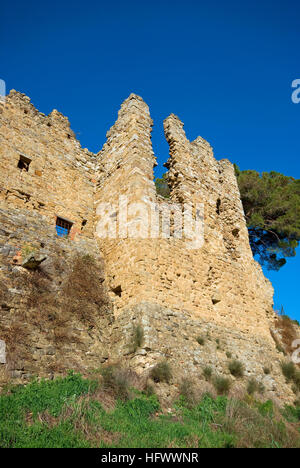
(220, 280)
(216, 287)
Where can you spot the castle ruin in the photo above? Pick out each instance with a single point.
(49, 184)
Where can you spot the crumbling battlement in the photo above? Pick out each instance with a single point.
(57, 179)
(218, 281)
(114, 193)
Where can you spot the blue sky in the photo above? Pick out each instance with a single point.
(224, 67)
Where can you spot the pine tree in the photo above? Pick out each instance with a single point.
(271, 204)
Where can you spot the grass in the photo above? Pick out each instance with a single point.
(236, 368)
(68, 412)
(187, 392)
(288, 370)
(288, 331)
(161, 372)
(200, 340)
(137, 338)
(207, 372)
(116, 380)
(296, 380)
(252, 386)
(222, 385)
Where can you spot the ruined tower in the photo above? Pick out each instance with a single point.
(219, 279)
(176, 286)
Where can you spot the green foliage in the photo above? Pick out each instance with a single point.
(266, 408)
(67, 413)
(207, 372)
(149, 389)
(236, 368)
(116, 380)
(162, 187)
(296, 379)
(161, 372)
(280, 349)
(252, 386)
(200, 340)
(28, 249)
(271, 204)
(291, 413)
(288, 370)
(34, 399)
(222, 385)
(187, 391)
(39, 396)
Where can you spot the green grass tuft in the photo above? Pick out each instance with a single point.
(236, 368)
(161, 372)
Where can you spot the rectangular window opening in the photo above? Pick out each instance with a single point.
(23, 163)
(63, 227)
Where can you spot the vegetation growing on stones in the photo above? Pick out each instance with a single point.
(51, 316)
(187, 391)
(162, 187)
(116, 380)
(288, 370)
(222, 385)
(252, 386)
(236, 368)
(207, 372)
(287, 330)
(161, 372)
(200, 340)
(137, 337)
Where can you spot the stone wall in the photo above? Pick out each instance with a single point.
(220, 280)
(59, 180)
(173, 336)
(175, 288)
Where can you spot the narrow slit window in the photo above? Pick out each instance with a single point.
(23, 163)
(63, 227)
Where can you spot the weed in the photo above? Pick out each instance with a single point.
(296, 379)
(116, 380)
(200, 340)
(137, 337)
(288, 370)
(288, 333)
(252, 386)
(161, 372)
(236, 368)
(187, 391)
(149, 389)
(222, 385)
(207, 372)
